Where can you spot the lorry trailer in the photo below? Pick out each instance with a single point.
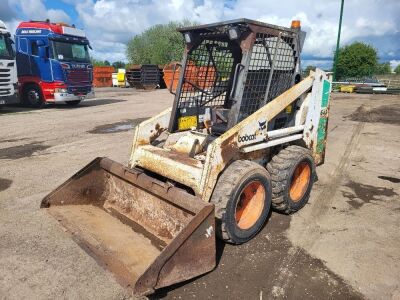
(8, 74)
(53, 63)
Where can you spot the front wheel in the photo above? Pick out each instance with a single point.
(242, 198)
(33, 96)
(73, 103)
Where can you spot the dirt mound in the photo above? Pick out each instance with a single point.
(387, 114)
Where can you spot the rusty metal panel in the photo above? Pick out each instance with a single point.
(148, 233)
(147, 131)
(170, 164)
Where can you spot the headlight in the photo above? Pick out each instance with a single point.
(61, 91)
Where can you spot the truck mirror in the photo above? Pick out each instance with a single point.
(39, 43)
(42, 52)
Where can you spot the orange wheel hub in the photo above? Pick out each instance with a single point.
(300, 181)
(250, 205)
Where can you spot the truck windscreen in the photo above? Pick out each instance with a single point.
(6, 50)
(65, 51)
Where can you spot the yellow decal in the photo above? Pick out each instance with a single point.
(187, 122)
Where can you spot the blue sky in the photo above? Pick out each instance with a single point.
(109, 24)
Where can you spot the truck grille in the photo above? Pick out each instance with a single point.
(78, 76)
(5, 82)
(79, 90)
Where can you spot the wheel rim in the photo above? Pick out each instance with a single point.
(250, 205)
(33, 97)
(300, 181)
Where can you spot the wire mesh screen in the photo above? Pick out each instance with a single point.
(207, 75)
(269, 52)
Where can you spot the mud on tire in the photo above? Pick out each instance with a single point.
(293, 174)
(242, 198)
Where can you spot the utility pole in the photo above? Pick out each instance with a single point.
(338, 41)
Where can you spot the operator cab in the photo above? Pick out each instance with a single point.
(230, 70)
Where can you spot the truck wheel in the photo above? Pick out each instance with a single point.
(73, 103)
(293, 173)
(242, 198)
(33, 96)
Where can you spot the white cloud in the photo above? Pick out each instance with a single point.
(29, 10)
(116, 21)
(394, 63)
(36, 10)
(109, 24)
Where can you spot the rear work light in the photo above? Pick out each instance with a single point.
(188, 38)
(233, 33)
(296, 24)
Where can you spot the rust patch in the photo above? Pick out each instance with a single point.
(149, 234)
(229, 149)
(177, 156)
(154, 134)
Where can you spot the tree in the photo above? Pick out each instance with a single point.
(100, 63)
(356, 60)
(383, 69)
(308, 69)
(160, 44)
(118, 65)
(397, 69)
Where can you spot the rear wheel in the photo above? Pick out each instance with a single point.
(73, 103)
(33, 96)
(242, 198)
(292, 172)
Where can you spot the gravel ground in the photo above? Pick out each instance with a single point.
(343, 244)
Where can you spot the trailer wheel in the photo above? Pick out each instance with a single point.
(242, 198)
(33, 96)
(293, 173)
(73, 103)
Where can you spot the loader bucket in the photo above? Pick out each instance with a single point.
(150, 234)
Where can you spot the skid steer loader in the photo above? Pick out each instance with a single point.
(243, 136)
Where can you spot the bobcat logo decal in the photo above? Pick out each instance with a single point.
(262, 125)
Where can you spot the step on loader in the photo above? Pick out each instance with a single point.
(242, 137)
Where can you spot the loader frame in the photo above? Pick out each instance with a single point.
(150, 223)
(309, 129)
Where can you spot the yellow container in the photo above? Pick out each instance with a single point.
(121, 77)
(347, 88)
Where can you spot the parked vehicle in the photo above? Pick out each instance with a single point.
(8, 74)
(53, 63)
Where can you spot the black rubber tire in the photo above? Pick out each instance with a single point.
(33, 96)
(226, 195)
(73, 103)
(281, 168)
